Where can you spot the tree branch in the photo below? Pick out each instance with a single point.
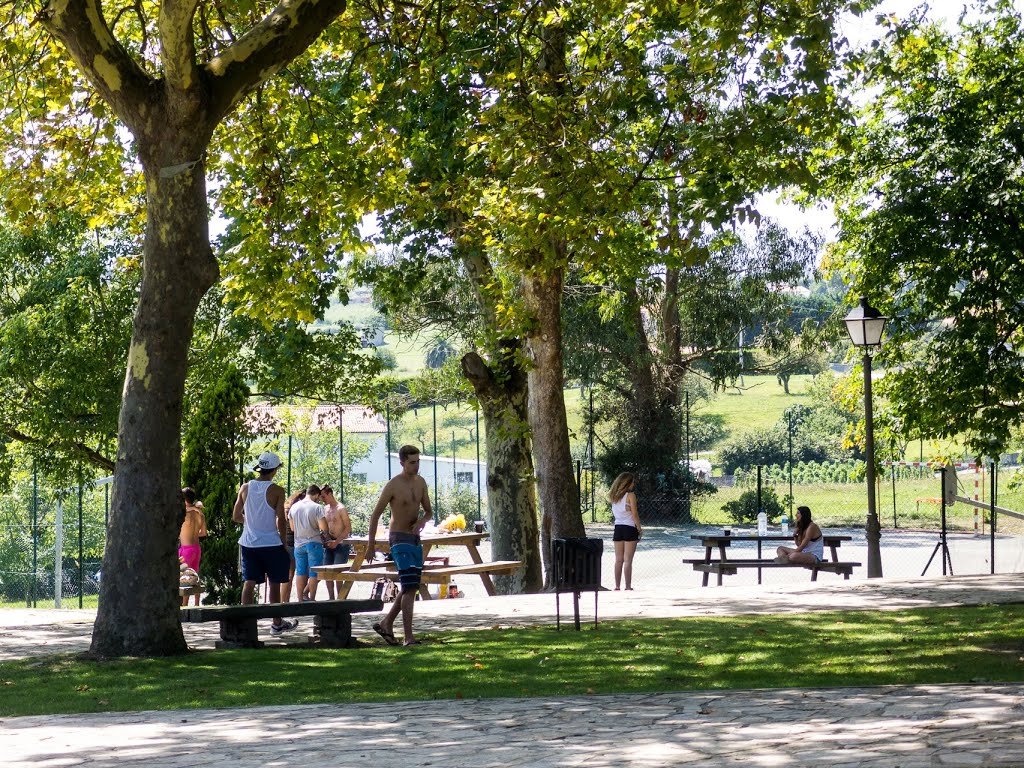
(276, 40)
(178, 43)
(81, 27)
(92, 456)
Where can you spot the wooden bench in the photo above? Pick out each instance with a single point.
(729, 567)
(332, 620)
(432, 574)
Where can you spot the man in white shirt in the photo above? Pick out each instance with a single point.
(307, 520)
(260, 509)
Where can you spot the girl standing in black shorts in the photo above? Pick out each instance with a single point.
(627, 526)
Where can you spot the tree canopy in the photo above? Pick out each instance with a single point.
(931, 204)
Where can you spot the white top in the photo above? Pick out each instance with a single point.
(816, 547)
(260, 526)
(621, 515)
(304, 516)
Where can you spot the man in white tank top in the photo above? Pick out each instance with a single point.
(260, 509)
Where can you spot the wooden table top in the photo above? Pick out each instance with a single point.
(461, 537)
(722, 538)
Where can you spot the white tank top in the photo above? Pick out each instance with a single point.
(621, 515)
(260, 527)
(816, 547)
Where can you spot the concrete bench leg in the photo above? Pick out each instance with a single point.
(333, 631)
(238, 633)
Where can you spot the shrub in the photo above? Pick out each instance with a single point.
(744, 509)
(215, 441)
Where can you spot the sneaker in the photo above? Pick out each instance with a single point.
(285, 626)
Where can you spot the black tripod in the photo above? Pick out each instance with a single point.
(941, 544)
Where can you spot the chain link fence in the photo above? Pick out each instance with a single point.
(984, 531)
(51, 544)
(51, 540)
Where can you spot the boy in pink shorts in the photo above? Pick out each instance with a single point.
(192, 530)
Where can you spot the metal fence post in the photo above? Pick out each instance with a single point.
(433, 409)
(58, 560)
(992, 522)
(35, 535)
(341, 453)
(387, 433)
(81, 564)
(478, 488)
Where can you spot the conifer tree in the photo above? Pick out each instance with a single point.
(215, 444)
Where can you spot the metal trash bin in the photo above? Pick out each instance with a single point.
(576, 567)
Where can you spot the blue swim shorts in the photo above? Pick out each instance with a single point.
(307, 557)
(409, 562)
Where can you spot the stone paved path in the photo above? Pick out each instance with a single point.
(890, 727)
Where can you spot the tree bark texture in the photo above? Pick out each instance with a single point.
(511, 494)
(559, 496)
(138, 604)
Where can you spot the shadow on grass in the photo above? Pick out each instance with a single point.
(924, 646)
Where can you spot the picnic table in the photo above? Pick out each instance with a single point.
(722, 565)
(437, 571)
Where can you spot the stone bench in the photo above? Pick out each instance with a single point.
(332, 620)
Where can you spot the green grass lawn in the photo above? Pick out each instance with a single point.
(940, 645)
(759, 402)
(843, 505)
(88, 601)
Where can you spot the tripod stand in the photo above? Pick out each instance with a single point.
(941, 544)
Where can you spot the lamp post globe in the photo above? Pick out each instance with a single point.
(865, 324)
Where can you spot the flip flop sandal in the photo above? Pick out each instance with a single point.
(389, 637)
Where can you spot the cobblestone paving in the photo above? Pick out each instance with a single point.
(905, 727)
(890, 727)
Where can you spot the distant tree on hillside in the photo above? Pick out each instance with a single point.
(439, 352)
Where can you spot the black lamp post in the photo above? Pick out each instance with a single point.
(865, 325)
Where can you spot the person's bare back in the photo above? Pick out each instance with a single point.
(193, 528)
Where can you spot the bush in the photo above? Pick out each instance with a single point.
(759, 446)
(214, 444)
(744, 509)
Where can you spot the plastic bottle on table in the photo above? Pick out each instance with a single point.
(785, 524)
(762, 523)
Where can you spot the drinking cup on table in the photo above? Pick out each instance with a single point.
(478, 526)
(727, 532)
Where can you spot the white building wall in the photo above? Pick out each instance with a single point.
(461, 471)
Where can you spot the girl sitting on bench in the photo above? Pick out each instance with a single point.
(810, 544)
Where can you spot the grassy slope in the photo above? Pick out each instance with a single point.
(942, 645)
(759, 402)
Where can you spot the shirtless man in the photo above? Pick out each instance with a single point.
(339, 528)
(406, 493)
(260, 509)
(192, 530)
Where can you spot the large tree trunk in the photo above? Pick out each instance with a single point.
(559, 496)
(172, 117)
(511, 496)
(138, 601)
